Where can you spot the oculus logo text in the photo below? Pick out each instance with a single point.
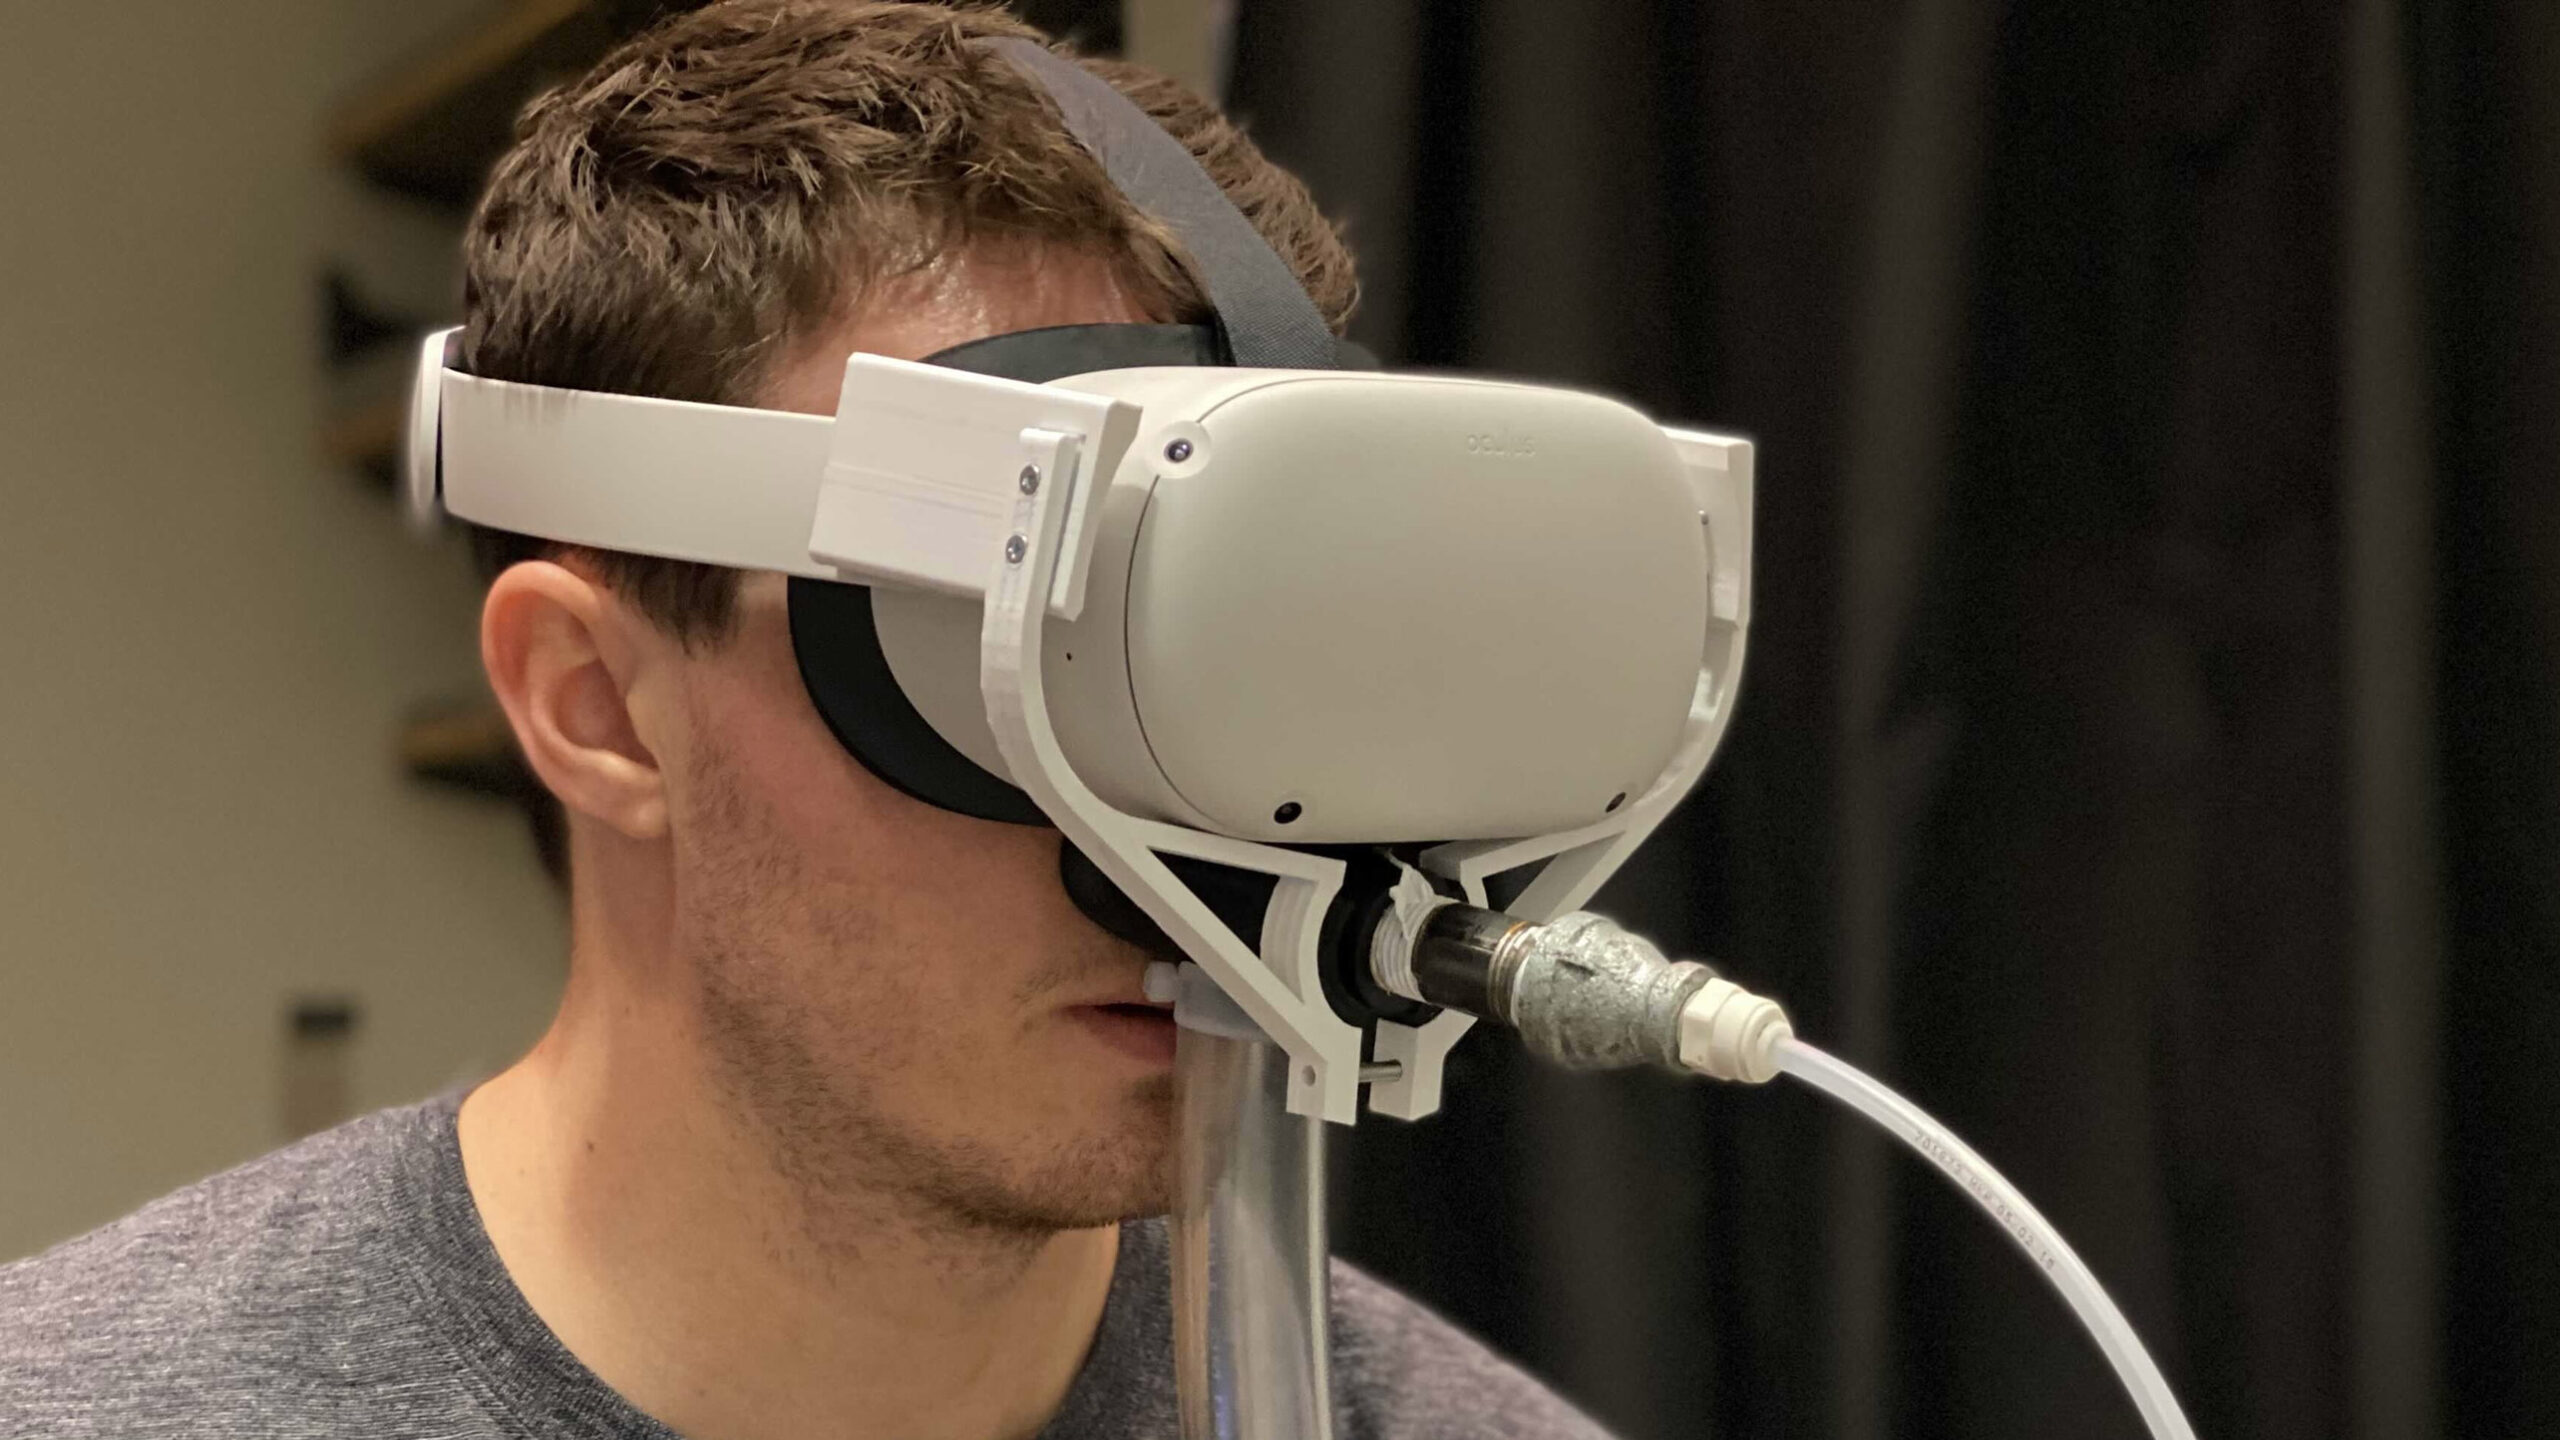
(1501, 444)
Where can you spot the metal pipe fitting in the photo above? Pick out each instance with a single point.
(1580, 990)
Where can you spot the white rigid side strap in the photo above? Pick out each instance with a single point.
(912, 482)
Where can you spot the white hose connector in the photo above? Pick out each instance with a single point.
(1731, 1034)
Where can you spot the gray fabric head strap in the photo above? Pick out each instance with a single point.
(1266, 314)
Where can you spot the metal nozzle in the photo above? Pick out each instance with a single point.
(1580, 990)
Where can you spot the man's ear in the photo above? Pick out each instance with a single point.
(560, 657)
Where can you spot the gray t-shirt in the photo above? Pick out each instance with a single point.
(345, 1288)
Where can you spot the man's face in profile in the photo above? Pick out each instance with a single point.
(903, 999)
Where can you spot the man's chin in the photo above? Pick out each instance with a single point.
(1121, 1169)
(1086, 1197)
(1136, 1175)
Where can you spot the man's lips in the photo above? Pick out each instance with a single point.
(1126, 1001)
(1142, 1030)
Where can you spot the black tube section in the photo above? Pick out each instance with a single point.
(1457, 955)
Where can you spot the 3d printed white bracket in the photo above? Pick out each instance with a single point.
(924, 474)
(1277, 982)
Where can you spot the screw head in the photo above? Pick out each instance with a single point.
(1178, 451)
(1030, 479)
(1288, 813)
(1015, 549)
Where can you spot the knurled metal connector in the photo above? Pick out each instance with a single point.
(1590, 995)
(1581, 991)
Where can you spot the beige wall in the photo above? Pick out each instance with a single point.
(1186, 39)
(207, 635)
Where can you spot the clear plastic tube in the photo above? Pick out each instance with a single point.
(2000, 1200)
(1249, 1278)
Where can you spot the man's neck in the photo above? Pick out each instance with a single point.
(651, 1231)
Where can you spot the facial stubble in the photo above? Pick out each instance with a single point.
(811, 1014)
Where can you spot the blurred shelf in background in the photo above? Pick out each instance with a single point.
(429, 129)
(371, 353)
(432, 127)
(367, 438)
(466, 745)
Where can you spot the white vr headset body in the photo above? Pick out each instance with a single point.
(1271, 610)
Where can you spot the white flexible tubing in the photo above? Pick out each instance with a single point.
(2000, 1200)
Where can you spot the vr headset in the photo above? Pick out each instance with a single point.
(1286, 647)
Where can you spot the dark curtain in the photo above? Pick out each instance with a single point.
(2148, 757)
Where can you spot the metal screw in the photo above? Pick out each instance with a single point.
(1178, 451)
(1015, 549)
(1030, 479)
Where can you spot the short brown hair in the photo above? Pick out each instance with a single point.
(738, 178)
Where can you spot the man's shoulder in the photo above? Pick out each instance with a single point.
(1401, 1372)
(269, 1285)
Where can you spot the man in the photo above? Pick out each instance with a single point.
(848, 1121)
